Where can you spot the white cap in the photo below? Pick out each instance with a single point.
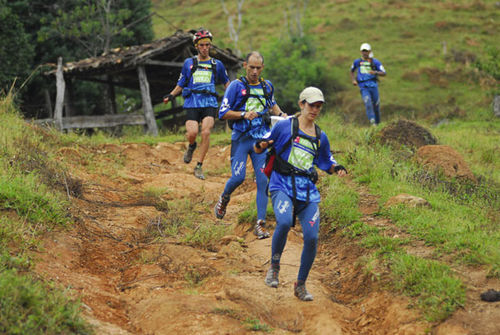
(365, 46)
(311, 95)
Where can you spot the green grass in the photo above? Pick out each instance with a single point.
(437, 291)
(32, 201)
(424, 79)
(461, 226)
(28, 306)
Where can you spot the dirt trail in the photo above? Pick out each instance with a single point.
(131, 283)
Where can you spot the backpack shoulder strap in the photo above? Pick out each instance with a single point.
(213, 61)
(246, 96)
(294, 131)
(263, 83)
(195, 64)
(318, 138)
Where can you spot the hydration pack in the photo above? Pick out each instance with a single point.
(267, 96)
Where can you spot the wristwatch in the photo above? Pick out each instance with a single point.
(243, 114)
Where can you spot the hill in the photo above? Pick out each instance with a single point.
(430, 49)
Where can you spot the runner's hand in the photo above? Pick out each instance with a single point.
(251, 115)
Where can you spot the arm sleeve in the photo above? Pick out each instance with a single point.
(379, 66)
(186, 69)
(272, 101)
(325, 159)
(229, 99)
(354, 65)
(222, 76)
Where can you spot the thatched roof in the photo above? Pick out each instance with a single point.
(162, 59)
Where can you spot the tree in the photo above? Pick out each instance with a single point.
(292, 65)
(98, 25)
(128, 23)
(234, 33)
(16, 51)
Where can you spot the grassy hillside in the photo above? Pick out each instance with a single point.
(427, 47)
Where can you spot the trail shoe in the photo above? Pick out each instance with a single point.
(272, 276)
(259, 231)
(198, 172)
(220, 207)
(188, 155)
(301, 292)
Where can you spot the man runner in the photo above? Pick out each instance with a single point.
(368, 69)
(197, 82)
(248, 102)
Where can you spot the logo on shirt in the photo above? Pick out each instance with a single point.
(244, 92)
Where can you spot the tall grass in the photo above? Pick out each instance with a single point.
(30, 204)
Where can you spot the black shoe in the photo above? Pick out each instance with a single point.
(220, 207)
(188, 155)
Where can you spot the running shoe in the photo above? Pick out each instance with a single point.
(198, 172)
(188, 155)
(272, 277)
(301, 292)
(220, 207)
(259, 231)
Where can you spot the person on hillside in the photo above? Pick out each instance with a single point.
(247, 105)
(299, 144)
(367, 71)
(197, 81)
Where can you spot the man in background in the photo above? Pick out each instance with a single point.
(197, 82)
(367, 71)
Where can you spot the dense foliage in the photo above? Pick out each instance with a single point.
(73, 30)
(292, 64)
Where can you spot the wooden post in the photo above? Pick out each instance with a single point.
(58, 112)
(146, 101)
(68, 95)
(112, 97)
(48, 103)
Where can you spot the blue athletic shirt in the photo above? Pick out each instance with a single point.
(234, 95)
(364, 78)
(301, 155)
(202, 79)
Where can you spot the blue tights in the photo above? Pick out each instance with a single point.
(308, 215)
(240, 150)
(372, 103)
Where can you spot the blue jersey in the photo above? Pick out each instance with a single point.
(363, 67)
(300, 154)
(233, 97)
(202, 79)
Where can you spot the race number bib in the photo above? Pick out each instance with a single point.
(202, 75)
(302, 154)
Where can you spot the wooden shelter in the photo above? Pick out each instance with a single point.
(151, 68)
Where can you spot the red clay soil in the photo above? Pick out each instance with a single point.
(131, 283)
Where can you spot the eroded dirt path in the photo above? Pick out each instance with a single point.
(132, 283)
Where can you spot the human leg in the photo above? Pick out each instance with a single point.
(282, 205)
(239, 154)
(191, 133)
(309, 220)
(206, 126)
(258, 162)
(367, 100)
(376, 104)
(283, 211)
